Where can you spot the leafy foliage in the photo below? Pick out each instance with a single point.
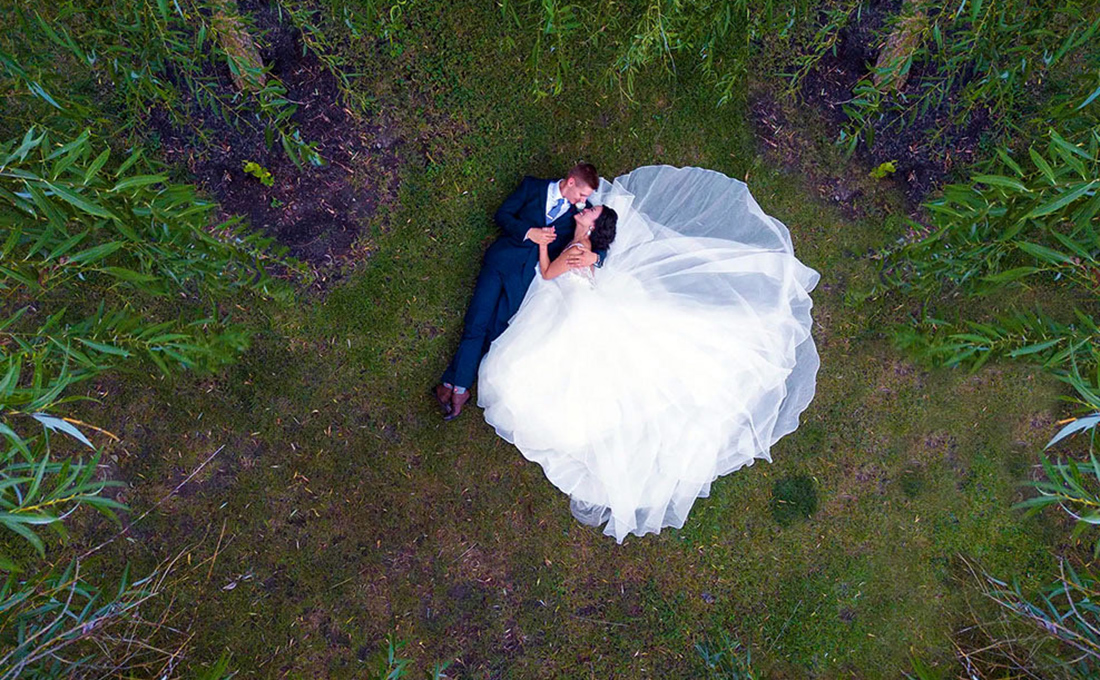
(984, 58)
(152, 54)
(393, 666)
(259, 172)
(92, 250)
(1054, 632)
(57, 625)
(883, 170)
(1037, 219)
(1073, 487)
(124, 235)
(80, 232)
(1024, 224)
(616, 42)
(1034, 224)
(726, 659)
(36, 491)
(106, 263)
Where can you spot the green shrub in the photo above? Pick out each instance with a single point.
(161, 54)
(104, 264)
(55, 624)
(719, 39)
(1033, 223)
(1010, 61)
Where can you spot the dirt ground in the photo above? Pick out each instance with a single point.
(924, 160)
(320, 213)
(317, 212)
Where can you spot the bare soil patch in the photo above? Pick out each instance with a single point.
(924, 160)
(317, 212)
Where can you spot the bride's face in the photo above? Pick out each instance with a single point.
(586, 218)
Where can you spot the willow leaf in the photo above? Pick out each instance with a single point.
(1063, 200)
(80, 202)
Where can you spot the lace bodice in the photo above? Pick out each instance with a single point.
(581, 275)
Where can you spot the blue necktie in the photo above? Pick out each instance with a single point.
(555, 211)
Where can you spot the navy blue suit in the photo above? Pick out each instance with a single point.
(506, 273)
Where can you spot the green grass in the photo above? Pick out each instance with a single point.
(793, 498)
(351, 511)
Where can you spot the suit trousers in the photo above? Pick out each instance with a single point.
(482, 325)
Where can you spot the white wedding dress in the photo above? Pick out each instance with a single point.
(683, 358)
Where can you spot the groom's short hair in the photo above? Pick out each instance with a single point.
(585, 173)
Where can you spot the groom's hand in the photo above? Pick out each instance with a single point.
(542, 235)
(579, 257)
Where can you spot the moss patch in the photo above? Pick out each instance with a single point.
(793, 498)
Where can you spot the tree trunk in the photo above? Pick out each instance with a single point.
(892, 67)
(246, 66)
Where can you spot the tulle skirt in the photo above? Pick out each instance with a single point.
(685, 357)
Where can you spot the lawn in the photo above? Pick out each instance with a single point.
(340, 509)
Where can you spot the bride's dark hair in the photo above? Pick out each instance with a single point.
(603, 230)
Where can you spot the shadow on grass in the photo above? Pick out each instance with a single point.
(793, 498)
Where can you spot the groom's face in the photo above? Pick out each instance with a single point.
(576, 192)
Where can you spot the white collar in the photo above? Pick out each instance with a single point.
(555, 192)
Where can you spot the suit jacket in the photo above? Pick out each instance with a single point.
(514, 257)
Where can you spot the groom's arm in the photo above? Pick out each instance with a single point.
(508, 215)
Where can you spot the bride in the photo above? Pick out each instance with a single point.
(683, 358)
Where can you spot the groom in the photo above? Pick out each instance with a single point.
(539, 211)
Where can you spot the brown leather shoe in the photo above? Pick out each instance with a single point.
(442, 394)
(457, 402)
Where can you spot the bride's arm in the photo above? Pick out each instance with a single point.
(551, 270)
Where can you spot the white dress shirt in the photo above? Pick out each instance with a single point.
(553, 195)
